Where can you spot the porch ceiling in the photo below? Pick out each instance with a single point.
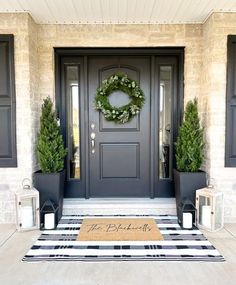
(118, 11)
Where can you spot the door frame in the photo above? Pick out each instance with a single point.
(177, 52)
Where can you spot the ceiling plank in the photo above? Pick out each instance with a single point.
(118, 11)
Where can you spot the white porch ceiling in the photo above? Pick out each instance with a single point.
(118, 11)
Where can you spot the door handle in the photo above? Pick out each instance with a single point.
(92, 136)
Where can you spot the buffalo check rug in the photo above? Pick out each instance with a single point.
(179, 244)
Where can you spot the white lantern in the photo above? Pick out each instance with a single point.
(210, 209)
(27, 207)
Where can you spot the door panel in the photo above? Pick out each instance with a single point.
(120, 165)
(110, 152)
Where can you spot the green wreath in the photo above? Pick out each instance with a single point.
(122, 82)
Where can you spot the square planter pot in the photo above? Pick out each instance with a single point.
(50, 187)
(186, 184)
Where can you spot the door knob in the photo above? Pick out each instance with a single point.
(92, 136)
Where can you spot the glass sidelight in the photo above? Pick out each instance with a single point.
(165, 122)
(73, 115)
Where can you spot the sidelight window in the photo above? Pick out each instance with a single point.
(165, 121)
(72, 96)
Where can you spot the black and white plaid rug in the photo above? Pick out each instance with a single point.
(178, 244)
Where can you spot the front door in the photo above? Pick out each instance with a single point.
(107, 159)
(119, 155)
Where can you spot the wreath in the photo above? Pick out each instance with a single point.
(122, 82)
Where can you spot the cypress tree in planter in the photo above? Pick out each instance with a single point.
(50, 153)
(189, 156)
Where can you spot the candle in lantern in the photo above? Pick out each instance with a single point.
(26, 217)
(49, 221)
(206, 216)
(187, 220)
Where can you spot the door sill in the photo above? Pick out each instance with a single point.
(119, 206)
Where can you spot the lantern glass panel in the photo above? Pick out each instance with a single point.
(28, 207)
(203, 201)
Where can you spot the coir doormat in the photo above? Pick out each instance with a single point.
(178, 244)
(118, 229)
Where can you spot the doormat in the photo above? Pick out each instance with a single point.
(118, 229)
(178, 244)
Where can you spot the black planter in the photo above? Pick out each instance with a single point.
(50, 187)
(186, 184)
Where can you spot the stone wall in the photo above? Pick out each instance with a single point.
(22, 26)
(188, 36)
(204, 78)
(213, 99)
(35, 100)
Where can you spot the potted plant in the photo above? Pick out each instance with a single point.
(189, 156)
(49, 180)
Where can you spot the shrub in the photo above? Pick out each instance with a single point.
(50, 145)
(190, 144)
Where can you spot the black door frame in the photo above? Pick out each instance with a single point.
(178, 53)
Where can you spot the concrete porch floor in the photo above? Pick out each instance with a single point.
(13, 246)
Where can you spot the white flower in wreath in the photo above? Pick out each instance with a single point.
(124, 117)
(134, 109)
(99, 105)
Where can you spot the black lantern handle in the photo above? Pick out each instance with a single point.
(49, 205)
(187, 202)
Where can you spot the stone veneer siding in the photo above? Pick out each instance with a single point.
(26, 71)
(204, 77)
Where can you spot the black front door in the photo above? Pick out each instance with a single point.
(106, 159)
(119, 155)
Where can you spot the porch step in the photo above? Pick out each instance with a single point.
(94, 206)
